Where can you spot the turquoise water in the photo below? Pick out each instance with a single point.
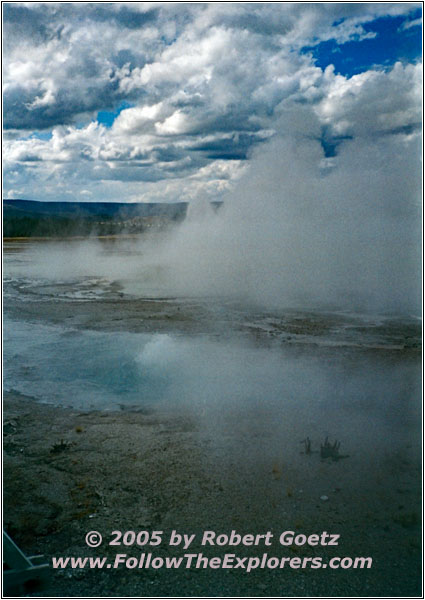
(356, 396)
(86, 369)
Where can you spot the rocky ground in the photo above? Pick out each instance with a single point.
(68, 472)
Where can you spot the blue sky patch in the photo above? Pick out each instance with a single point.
(107, 117)
(38, 135)
(394, 41)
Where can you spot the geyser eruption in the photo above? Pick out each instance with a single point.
(304, 230)
(320, 219)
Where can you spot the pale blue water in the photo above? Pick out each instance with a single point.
(104, 370)
(87, 369)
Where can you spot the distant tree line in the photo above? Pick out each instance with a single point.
(29, 218)
(34, 226)
(61, 226)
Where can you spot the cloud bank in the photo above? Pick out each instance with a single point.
(165, 102)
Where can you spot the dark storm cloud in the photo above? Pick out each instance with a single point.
(20, 20)
(168, 153)
(234, 148)
(85, 78)
(40, 20)
(123, 16)
(331, 142)
(134, 171)
(19, 114)
(260, 21)
(129, 57)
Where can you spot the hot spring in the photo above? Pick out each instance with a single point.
(348, 379)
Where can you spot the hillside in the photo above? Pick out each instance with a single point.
(30, 218)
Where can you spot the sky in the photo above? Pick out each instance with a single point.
(148, 102)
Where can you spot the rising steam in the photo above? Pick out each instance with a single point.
(298, 230)
(307, 231)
